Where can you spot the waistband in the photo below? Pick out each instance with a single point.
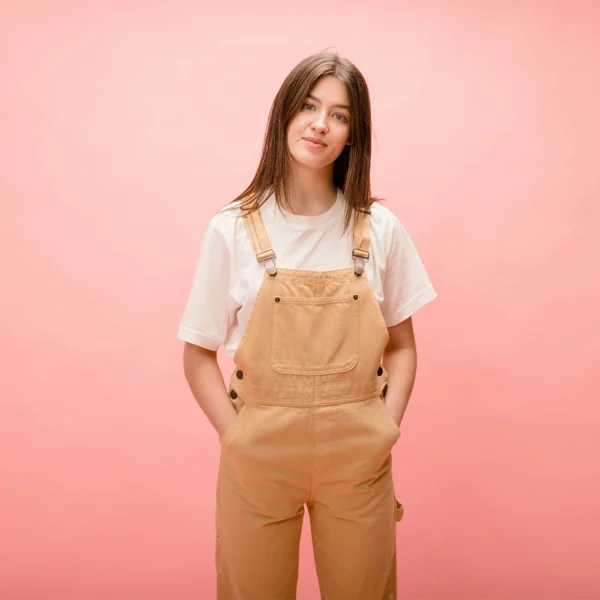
(313, 393)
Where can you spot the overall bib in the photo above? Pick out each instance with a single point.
(312, 428)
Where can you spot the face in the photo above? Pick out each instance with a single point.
(325, 116)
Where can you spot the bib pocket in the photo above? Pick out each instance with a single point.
(314, 336)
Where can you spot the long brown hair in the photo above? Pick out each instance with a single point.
(352, 168)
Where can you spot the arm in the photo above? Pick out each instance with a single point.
(400, 361)
(206, 382)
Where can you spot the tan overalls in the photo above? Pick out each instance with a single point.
(312, 428)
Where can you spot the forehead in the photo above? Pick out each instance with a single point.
(330, 90)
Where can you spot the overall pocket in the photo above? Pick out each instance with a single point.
(240, 407)
(386, 415)
(314, 336)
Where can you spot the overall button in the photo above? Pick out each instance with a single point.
(380, 371)
(233, 394)
(239, 375)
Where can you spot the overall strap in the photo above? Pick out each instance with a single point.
(362, 239)
(260, 240)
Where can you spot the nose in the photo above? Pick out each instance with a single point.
(319, 124)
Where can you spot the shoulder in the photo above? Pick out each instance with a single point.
(385, 224)
(381, 214)
(227, 221)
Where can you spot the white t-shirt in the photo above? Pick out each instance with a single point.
(228, 276)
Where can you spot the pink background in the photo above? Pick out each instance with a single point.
(126, 125)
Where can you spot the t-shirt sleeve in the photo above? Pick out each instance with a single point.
(406, 285)
(209, 312)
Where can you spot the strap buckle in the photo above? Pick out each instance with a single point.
(358, 252)
(362, 256)
(268, 256)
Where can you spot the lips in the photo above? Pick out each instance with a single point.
(316, 141)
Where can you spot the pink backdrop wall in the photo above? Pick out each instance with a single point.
(126, 125)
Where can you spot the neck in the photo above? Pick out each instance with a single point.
(311, 193)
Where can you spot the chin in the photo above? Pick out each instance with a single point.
(308, 161)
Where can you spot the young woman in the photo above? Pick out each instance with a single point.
(310, 283)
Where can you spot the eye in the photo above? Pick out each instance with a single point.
(342, 120)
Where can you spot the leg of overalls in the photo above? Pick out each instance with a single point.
(263, 484)
(353, 509)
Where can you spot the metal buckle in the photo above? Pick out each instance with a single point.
(358, 269)
(362, 256)
(266, 257)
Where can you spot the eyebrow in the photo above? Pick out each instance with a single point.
(335, 105)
